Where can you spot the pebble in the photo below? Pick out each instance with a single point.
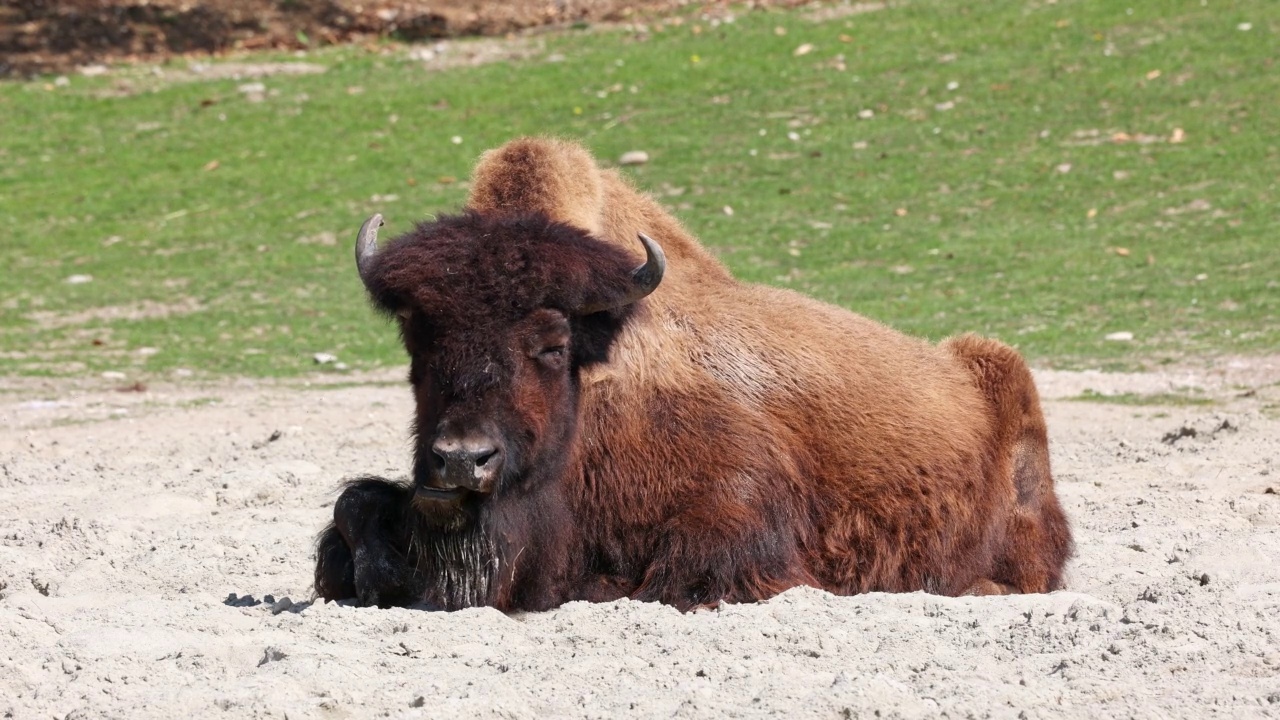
(634, 157)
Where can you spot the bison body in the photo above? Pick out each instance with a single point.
(585, 431)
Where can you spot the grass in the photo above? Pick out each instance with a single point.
(940, 166)
(1159, 399)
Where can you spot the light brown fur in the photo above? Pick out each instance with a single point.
(889, 463)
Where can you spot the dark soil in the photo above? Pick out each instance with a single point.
(57, 35)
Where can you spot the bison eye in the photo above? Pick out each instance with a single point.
(553, 356)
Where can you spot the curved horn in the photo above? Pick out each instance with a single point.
(367, 246)
(644, 279)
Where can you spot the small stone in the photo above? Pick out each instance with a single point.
(271, 654)
(321, 358)
(79, 279)
(1122, 336)
(634, 157)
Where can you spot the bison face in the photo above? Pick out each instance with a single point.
(498, 316)
(494, 408)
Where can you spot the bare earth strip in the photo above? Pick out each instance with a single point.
(129, 518)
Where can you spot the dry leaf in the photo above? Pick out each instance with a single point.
(1122, 252)
(1177, 136)
(211, 165)
(804, 49)
(1153, 74)
(779, 31)
(1093, 213)
(900, 212)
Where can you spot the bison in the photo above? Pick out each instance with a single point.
(592, 424)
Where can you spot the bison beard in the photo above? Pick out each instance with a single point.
(591, 429)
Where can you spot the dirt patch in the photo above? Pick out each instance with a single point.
(843, 10)
(47, 36)
(142, 310)
(159, 562)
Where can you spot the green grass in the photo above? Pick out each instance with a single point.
(934, 220)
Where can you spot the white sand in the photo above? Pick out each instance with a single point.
(128, 519)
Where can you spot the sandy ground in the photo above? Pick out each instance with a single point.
(134, 525)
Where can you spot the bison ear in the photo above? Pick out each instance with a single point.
(594, 334)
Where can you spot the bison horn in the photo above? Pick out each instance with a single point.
(644, 279)
(367, 246)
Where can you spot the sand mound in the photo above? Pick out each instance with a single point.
(143, 533)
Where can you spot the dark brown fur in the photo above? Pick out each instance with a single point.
(715, 441)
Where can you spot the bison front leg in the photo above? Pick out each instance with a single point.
(717, 552)
(366, 553)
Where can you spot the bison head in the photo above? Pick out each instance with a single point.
(498, 315)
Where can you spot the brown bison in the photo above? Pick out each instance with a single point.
(592, 425)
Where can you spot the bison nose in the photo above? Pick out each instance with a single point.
(472, 463)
